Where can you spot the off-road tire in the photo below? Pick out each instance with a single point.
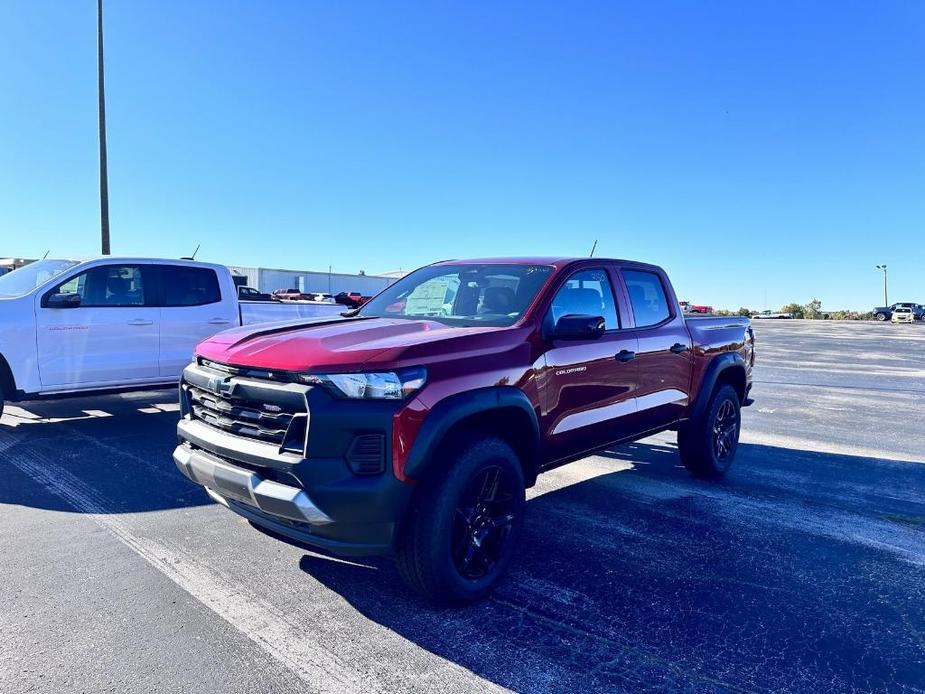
(427, 539)
(708, 444)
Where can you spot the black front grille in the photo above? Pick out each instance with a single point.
(268, 422)
(366, 454)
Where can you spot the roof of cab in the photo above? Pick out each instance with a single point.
(140, 259)
(556, 262)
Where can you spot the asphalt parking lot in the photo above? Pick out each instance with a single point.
(804, 570)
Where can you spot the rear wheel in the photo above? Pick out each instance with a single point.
(708, 445)
(460, 534)
(881, 316)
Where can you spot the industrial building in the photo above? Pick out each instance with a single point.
(271, 279)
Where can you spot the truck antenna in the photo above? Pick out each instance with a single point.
(46, 254)
(592, 248)
(193, 257)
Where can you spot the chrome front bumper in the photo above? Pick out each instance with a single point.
(223, 480)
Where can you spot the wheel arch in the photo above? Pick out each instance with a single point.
(7, 382)
(726, 368)
(502, 411)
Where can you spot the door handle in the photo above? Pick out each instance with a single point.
(141, 321)
(678, 348)
(219, 321)
(625, 355)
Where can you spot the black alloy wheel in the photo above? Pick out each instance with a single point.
(708, 444)
(725, 426)
(459, 536)
(483, 520)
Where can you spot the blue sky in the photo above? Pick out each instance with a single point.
(754, 149)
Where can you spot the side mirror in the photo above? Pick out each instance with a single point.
(576, 326)
(62, 301)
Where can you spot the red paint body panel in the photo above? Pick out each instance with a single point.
(583, 397)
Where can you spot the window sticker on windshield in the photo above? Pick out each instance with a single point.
(428, 299)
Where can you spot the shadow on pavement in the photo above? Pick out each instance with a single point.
(119, 445)
(801, 571)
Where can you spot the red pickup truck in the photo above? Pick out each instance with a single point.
(412, 425)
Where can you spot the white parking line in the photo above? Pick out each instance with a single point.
(168, 406)
(16, 416)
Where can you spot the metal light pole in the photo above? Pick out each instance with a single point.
(886, 302)
(104, 176)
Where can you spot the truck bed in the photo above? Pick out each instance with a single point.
(272, 311)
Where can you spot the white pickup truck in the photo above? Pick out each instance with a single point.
(69, 326)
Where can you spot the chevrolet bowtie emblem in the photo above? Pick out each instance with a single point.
(220, 386)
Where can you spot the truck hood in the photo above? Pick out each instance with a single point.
(348, 344)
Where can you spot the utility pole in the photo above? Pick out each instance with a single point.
(886, 301)
(104, 175)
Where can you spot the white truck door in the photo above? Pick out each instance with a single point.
(193, 307)
(109, 338)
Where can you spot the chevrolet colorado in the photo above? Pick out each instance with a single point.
(412, 425)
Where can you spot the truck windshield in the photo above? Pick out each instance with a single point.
(465, 295)
(28, 277)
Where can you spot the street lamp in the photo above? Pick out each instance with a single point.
(886, 302)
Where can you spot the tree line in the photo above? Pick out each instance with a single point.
(810, 311)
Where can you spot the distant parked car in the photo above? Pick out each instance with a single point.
(903, 314)
(772, 314)
(685, 306)
(251, 294)
(701, 309)
(351, 299)
(323, 297)
(290, 295)
(883, 313)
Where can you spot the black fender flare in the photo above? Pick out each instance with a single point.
(720, 364)
(450, 411)
(7, 381)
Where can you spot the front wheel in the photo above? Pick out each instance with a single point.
(459, 537)
(708, 445)
(881, 316)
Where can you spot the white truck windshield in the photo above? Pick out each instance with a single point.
(22, 281)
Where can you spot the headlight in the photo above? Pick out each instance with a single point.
(387, 385)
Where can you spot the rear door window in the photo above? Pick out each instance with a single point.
(647, 297)
(189, 286)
